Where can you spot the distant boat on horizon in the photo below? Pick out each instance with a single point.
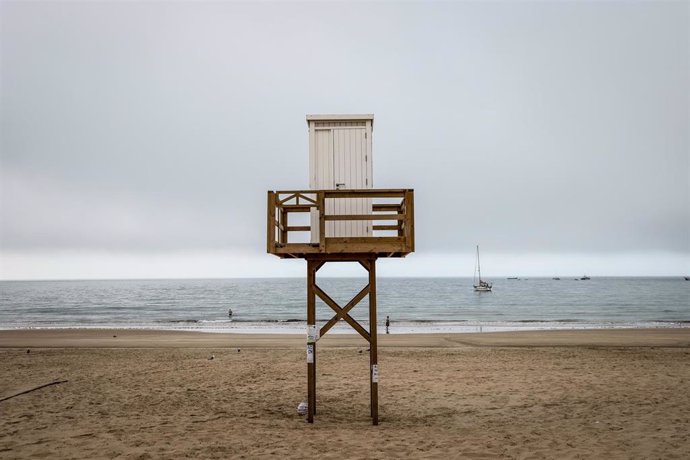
(585, 278)
(482, 286)
(556, 278)
(512, 278)
(687, 278)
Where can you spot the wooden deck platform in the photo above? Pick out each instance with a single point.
(391, 234)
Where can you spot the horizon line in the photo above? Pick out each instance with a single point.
(511, 278)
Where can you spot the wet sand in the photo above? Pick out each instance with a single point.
(152, 394)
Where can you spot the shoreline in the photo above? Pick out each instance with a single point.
(142, 338)
(298, 327)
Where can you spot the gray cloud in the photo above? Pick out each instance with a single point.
(525, 127)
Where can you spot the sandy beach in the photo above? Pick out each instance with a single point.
(152, 394)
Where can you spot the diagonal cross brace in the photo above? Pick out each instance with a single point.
(343, 312)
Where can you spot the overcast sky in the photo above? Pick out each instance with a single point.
(139, 139)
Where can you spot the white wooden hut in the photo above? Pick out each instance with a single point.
(340, 159)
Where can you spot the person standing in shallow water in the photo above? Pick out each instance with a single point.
(388, 323)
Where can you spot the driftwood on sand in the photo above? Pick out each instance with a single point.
(55, 382)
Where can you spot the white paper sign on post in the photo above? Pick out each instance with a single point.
(310, 353)
(312, 334)
(375, 373)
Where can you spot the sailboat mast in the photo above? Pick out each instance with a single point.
(479, 268)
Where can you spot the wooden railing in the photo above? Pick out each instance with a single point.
(392, 211)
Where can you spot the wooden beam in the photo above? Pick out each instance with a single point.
(297, 248)
(332, 303)
(317, 266)
(271, 235)
(386, 207)
(311, 321)
(364, 263)
(345, 310)
(306, 198)
(297, 207)
(337, 257)
(288, 198)
(365, 244)
(373, 351)
(342, 254)
(322, 221)
(409, 220)
(283, 226)
(366, 217)
(386, 227)
(299, 228)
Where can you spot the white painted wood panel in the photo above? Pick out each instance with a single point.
(340, 157)
(322, 177)
(350, 152)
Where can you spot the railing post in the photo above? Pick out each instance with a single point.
(271, 224)
(284, 225)
(322, 221)
(409, 220)
(401, 210)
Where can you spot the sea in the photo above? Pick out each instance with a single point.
(414, 305)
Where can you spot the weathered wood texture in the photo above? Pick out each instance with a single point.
(394, 215)
(312, 267)
(314, 263)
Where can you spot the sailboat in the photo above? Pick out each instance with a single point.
(482, 286)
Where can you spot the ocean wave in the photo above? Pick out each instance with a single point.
(280, 305)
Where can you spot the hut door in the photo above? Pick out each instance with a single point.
(341, 162)
(350, 171)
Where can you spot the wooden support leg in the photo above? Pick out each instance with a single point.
(373, 351)
(342, 313)
(311, 321)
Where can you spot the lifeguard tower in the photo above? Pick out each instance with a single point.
(350, 221)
